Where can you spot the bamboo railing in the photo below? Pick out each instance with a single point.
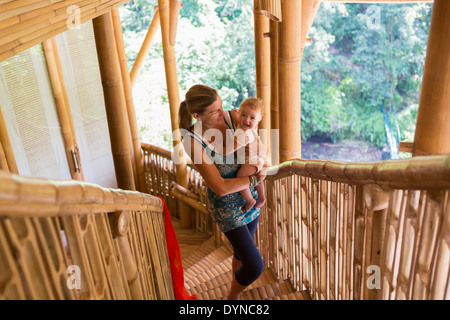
(360, 230)
(375, 230)
(160, 177)
(76, 240)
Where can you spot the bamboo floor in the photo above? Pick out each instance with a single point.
(207, 272)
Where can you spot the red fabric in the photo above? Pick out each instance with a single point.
(176, 267)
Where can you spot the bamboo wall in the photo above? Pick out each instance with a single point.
(26, 23)
(115, 237)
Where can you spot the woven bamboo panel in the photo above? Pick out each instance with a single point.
(26, 23)
(75, 240)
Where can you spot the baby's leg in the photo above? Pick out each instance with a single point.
(261, 196)
(245, 171)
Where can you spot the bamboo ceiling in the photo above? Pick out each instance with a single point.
(25, 23)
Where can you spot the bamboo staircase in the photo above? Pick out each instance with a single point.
(207, 272)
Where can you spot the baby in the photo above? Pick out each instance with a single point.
(250, 114)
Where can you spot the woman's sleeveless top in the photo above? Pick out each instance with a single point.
(227, 210)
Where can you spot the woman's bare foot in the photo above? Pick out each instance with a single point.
(249, 205)
(260, 202)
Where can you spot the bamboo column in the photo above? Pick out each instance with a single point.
(433, 118)
(274, 116)
(114, 100)
(6, 146)
(175, 6)
(174, 103)
(3, 162)
(262, 62)
(289, 64)
(63, 109)
(134, 130)
(151, 32)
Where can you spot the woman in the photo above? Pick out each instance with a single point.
(204, 142)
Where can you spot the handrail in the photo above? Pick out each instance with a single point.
(33, 197)
(430, 172)
(78, 240)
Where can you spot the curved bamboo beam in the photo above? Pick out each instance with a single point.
(132, 121)
(272, 9)
(174, 102)
(188, 198)
(151, 32)
(114, 100)
(433, 117)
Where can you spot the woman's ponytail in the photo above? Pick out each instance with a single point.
(199, 98)
(185, 117)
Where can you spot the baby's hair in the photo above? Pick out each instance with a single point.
(252, 103)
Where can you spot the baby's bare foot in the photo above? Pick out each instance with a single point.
(260, 202)
(249, 205)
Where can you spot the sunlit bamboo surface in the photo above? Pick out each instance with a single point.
(51, 229)
(374, 230)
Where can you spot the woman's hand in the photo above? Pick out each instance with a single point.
(262, 174)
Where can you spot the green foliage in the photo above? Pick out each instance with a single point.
(358, 61)
(367, 62)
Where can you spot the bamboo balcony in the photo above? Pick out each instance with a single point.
(337, 230)
(329, 230)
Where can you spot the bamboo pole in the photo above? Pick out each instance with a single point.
(151, 32)
(132, 121)
(433, 118)
(62, 108)
(175, 6)
(174, 102)
(289, 64)
(3, 162)
(262, 62)
(274, 115)
(114, 100)
(7, 148)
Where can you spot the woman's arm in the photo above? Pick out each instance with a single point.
(209, 172)
(219, 185)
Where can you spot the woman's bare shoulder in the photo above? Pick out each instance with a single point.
(235, 115)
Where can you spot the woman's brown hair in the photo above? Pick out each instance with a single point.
(197, 99)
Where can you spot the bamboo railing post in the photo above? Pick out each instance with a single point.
(433, 117)
(174, 103)
(262, 62)
(151, 32)
(132, 121)
(6, 145)
(62, 109)
(114, 100)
